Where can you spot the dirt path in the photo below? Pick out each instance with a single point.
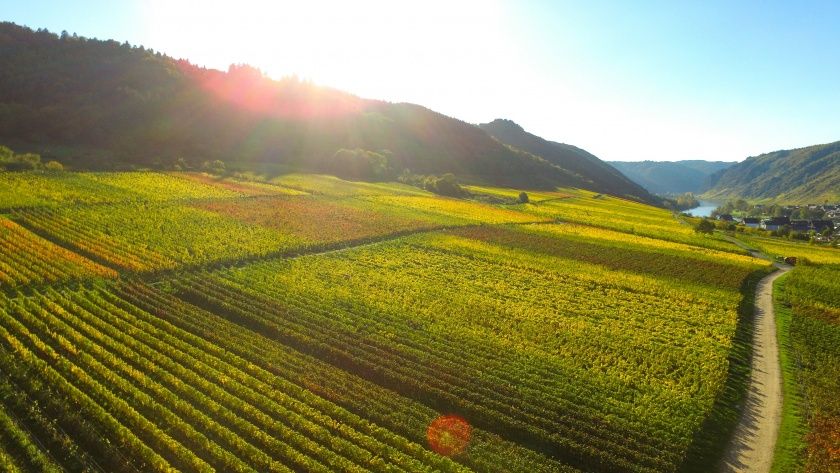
(752, 445)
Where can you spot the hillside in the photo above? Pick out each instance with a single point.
(594, 173)
(804, 175)
(102, 104)
(199, 323)
(671, 177)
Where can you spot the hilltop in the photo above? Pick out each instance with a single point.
(671, 177)
(804, 175)
(593, 173)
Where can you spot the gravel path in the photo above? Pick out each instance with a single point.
(752, 445)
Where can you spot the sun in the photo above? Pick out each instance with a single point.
(420, 52)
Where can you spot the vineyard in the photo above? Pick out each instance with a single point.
(181, 321)
(27, 259)
(808, 304)
(775, 247)
(613, 213)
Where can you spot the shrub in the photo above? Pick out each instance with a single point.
(360, 164)
(214, 167)
(54, 166)
(704, 226)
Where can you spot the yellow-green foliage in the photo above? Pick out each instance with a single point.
(580, 329)
(514, 193)
(619, 250)
(623, 215)
(26, 258)
(780, 247)
(28, 189)
(101, 362)
(330, 185)
(305, 217)
(449, 211)
(810, 310)
(647, 351)
(145, 237)
(158, 186)
(241, 186)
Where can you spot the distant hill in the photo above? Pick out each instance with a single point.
(103, 104)
(594, 174)
(804, 175)
(672, 177)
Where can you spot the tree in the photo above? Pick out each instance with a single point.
(10, 161)
(705, 226)
(214, 167)
(180, 164)
(523, 198)
(54, 166)
(360, 164)
(784, 230)
(447, 185)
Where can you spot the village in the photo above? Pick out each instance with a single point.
(818, 221)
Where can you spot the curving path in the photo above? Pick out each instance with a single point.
(754, 440)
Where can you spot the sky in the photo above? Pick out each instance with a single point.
(627, 81)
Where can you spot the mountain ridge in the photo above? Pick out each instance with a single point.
(137, 107)
(802, 175)
(596, 174)
(671, 177)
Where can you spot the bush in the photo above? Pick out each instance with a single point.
(9, 161)
(704, 226)
(54, 166)
(523, 198)
(360, 164)
(214, 167)
(444, 185)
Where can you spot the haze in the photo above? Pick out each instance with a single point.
(627, 81)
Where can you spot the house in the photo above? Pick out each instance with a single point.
(800, 225)
(774, 223)
(820, 225)
(752, 222)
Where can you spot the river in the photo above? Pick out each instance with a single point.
(704, 209)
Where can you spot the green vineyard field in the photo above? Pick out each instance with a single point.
(180, 321)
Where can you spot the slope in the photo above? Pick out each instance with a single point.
(594, 174)
(671, 177)
(102, 104)
(804, 175)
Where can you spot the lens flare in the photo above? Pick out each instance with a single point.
(449, 435)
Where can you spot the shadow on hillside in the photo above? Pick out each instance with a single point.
(710, 442)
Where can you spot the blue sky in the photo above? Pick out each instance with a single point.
(661, 80)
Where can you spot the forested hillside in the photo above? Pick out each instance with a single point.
(594, 173)
(804, 175)
(102, 104)
(671, 177)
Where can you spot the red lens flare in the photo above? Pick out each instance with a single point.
(449, 434)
